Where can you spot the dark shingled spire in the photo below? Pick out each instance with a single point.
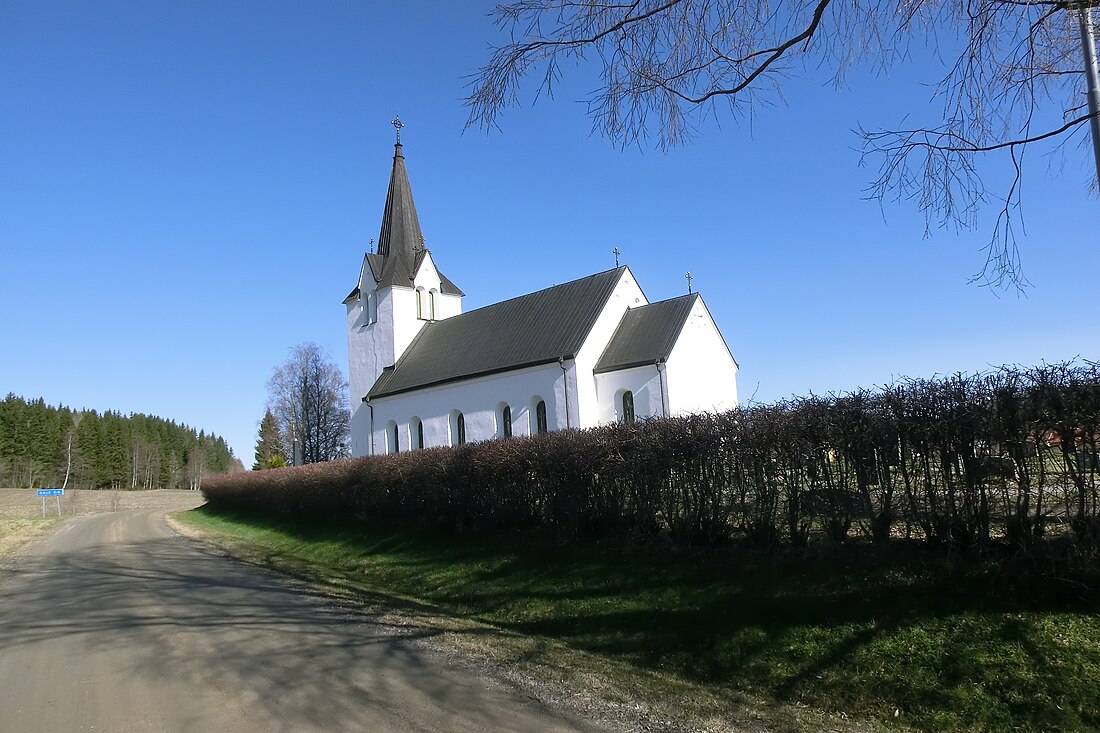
(400, 237)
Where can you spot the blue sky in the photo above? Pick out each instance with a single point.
(187, 189)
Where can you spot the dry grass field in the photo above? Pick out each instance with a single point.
(21, 517)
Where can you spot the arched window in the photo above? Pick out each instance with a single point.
(460, 429)
(628, 406)
(420, 303)
(416, 433)
(540, 417)
(396, 444)
(431, 303)
(372, 308)
(506, 422)
(391, 437)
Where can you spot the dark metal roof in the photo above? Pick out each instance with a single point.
(646, 334)
(400, 236)
(446, 286)
(532, 329)
(400, 242)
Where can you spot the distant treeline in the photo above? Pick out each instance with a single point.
(41, 445)
(1007, 458)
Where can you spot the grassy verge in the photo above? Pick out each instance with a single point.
(930, 643)
(15, 532)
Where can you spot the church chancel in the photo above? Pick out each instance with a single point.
(422, 373)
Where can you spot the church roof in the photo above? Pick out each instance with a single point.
(526, 331)
(646, 334)
(400, 242)
(400, 238)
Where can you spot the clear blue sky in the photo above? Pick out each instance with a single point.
(187, 190)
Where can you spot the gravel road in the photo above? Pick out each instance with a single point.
(113, 622)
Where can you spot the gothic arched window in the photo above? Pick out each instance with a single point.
(628, 406)
(506, 422)
(431, 303)
(395, 434)
(460, 429)
(540, 417)
(420, 303)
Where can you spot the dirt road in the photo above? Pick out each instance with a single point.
(115, 623)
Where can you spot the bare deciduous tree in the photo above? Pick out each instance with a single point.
(308, 396)
(1016, 81)
(71, 447)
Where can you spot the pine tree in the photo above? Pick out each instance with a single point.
(42, 445)
(269, 445)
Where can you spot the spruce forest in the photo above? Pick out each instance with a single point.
(45, 446)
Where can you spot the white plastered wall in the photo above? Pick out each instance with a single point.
(627, 294)
(427, 279)
(646, 384)
(478, 400)
(373, 346)
(701, 374)
(370, 349)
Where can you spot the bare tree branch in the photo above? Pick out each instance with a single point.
(666, 63)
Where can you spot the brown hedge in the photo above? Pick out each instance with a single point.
(966, 460)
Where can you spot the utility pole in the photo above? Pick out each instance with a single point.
(1092, 77)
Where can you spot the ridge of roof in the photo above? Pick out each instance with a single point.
(528, 330)
(646, 334)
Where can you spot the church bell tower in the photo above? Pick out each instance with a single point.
(399, 292)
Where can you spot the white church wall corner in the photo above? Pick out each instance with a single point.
(701, 373)
(626, 294)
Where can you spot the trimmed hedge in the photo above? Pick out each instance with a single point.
(966, 460)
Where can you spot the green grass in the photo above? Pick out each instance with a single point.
(950, 645)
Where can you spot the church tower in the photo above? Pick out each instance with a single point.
(400, 290)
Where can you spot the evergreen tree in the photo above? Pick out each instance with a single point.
(42, 445)
(269, 445)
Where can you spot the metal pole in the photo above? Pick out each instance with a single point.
(1088, 46)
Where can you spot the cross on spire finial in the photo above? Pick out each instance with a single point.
(616, 252)
(689, 278)
(397, 124)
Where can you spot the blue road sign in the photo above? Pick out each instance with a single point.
(51, 492)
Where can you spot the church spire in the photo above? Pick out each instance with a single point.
(400, 235)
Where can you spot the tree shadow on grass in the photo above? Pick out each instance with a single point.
(954, 643)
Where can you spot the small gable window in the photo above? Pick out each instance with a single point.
(540, 417)
(420, 303)
(431, 304)
(628, 406)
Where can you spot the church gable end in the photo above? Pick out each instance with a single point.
(646, 334)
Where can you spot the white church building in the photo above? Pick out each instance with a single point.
(422, 373)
